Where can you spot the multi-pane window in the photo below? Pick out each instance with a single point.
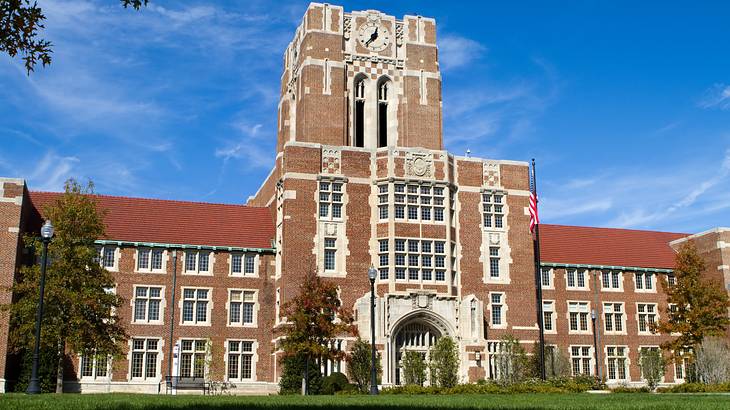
(616, 358)
(192, 357)
(611, 280)
(493, 261)
(493, 209)
(330, 200)
(383, 201)
(647, 317)
(497, 300)
(240, 360)
(330, 254)
(415, 259)
(416, 202)
(548, 315)
(243, 264)
(613, 317)
(384, 258)
(546, 277)
(147, 301)
(644, 281)
(195, 305)
(197, 262)
(671, 280)
(93, 366)
(106, 256)
(144, 358)
(241, 306)
(575, 278)
(644, 350)
(578, 316)
(682, 364)
(149, 260)
(580, 360)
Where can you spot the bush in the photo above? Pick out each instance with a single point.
(414, 368)
(512, 361)
(556, 363)
(47, 367)
(557, 385)
(293, 372)
(696, 388)
(652, 366)
(444, 365)
(358, 365)
(712, 361)
(334, 383)
(627, 389)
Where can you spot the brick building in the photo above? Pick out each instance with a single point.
(361, 179)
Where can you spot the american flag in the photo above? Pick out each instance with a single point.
(534, 218)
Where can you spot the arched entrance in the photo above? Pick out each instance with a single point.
(416, 333)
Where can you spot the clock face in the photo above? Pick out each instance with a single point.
(374, 36)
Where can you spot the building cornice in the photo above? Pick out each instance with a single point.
(183, 246)
(603, 267)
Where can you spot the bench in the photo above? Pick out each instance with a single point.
(186, 383)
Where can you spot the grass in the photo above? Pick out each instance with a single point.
(514, 401)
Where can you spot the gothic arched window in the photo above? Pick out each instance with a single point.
(383, 94)
(359, 111)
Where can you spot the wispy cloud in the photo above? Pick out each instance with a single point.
(52, 171)
(456, 51)
(717, 96)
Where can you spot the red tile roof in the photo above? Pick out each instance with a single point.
(179, 222)
(607, 246)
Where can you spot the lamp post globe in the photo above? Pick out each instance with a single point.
(372, 272)
(34, 387)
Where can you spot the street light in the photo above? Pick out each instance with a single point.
(595, 341)
(34, 386)
(373, 377)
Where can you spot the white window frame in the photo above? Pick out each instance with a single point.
(255, 308)
(240, 353)
(194, 352)
(641, 369)
(145, 358)
(581, 307)
(642, 288)
(149, 268)
(197, 270)
(488, 207)
(244, 256)
(330, 202)
(503, 311)
(627, 363)
(608, 308)
(183, 299)
(148, 297)
(639, 314)
(427, 260)
(553, 316)
(611, 288)
(420, 201)
(550, 276)
(581, 358)
(101, 252)
(94, 367)
(576, 272)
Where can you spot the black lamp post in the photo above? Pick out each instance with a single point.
(34, 387)
(373, 376)
(595, 342)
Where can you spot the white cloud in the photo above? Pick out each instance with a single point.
(717, 96)
(456, 51)
(52, 171)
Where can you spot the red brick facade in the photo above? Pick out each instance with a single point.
(361, 179)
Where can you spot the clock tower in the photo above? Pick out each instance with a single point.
(361, 79)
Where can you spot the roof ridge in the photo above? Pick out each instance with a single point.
(156, 199)
(615, 229)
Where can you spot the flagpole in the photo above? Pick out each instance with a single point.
(538, 278)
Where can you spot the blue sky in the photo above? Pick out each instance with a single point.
(625, 105)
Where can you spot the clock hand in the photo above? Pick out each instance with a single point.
(372, 37)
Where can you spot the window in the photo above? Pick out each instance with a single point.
(330, 200)
(192, 357)
(384, 257)
(497, 300)
(197, 262)
(144, 358)
(149, 260)
(611, 280)
(616, 359)
(682, 365)
(240, 360)
(359, 140)
(548, 315)
(578, 317)
(671, 280)
(93, 366)
(415, 202)
(493, 262)
(546, 278)
(243, 264)
(147, 304)
(383, 88)
(330, 254)
(644, 281)
(195, 306)
(580, 360)
(575, 279)
(493, 209)
(647, 317)
(614, 317)
(422, 259)
(107, 256)
(241, 305)
(643, 350)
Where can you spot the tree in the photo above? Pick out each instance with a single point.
(294, 367)
(512, 363)
(20, 21)
(315, 320)
(653, 366)
(358, 365)
(79, 304)
(556, 363)
(444, 363)
(414, 368)
(700, 303)
(712, 361)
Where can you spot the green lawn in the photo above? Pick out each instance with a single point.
(516, 401)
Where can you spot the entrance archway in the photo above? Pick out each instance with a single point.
(416, 333)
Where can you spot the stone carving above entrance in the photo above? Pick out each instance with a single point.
(422, 300)
(419, 164)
